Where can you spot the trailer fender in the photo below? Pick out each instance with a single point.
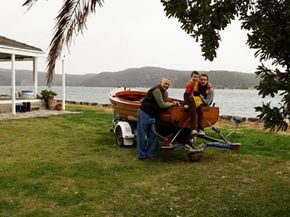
(126, 130)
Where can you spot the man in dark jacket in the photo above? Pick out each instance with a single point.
(206, 90)
(152, 104)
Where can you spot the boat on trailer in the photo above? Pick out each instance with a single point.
(172, 128)
(126, 102)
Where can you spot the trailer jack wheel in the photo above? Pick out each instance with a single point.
(194, 156)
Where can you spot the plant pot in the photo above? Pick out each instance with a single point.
(51, 103)
(58, 107)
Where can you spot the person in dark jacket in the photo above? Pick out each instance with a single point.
(206, 90)
(152, 104)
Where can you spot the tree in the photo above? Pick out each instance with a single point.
(267, 23)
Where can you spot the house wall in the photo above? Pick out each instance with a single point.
(6, 105)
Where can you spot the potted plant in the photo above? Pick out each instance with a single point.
(48, 97)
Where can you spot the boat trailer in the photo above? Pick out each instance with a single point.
(178, 140)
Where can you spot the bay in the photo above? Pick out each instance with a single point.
(231, 101)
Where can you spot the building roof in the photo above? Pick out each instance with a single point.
(16, 44)
(22, 51)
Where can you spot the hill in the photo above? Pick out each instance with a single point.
(26, 77)
(136, 77)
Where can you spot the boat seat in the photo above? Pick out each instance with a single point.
(133, 98)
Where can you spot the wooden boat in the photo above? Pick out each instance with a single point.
(126, 102)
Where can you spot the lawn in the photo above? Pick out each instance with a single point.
(70, 166)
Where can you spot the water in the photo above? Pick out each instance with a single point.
(231, 102)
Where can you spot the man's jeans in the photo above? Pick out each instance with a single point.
(146, 139)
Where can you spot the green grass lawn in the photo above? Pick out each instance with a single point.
(70, 166)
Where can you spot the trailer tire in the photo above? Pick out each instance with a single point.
(119, 137)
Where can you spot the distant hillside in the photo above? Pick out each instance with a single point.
(149, 76)
(136, 77)
(26, 77)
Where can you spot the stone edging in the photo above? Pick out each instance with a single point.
(243, 119)
(86, 103)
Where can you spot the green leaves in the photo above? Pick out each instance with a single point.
(269, 33)
(274, 118)
(269, 84)
(47, 93)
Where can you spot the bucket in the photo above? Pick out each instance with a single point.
(27, 94)
(20, 108)
(27, 106)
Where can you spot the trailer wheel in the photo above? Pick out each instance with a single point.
(119, 137)
(194, 156)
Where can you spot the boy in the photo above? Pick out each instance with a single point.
(193, 102)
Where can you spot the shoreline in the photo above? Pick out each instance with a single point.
(222, 117)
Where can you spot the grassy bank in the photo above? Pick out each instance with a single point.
(69, 166)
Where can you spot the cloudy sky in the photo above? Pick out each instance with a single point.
(123, 34)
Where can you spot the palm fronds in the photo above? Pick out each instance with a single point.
(71, 20)
(29, 3)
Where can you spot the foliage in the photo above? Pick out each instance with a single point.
(47, 94)
(267, 22)
(71, 167)
(71, 20)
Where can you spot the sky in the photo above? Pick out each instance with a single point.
(123, 34)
